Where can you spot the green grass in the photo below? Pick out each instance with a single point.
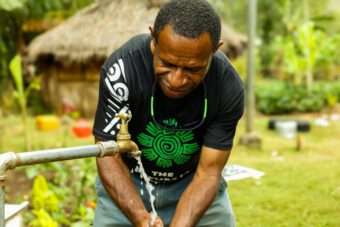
(13, 138)
(300, 188)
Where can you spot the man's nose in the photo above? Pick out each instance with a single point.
(177, 78)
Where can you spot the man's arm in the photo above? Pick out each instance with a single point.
(201, 192)
(116, 179)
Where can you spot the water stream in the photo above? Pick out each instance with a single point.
(149, 188)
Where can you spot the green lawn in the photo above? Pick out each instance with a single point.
(300, 188)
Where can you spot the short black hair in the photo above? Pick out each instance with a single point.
(189, 18)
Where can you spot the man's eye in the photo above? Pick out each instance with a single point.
(193, 70)
(168, 64)
(196, 70)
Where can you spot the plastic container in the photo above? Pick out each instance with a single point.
(82, 128)
(47, 122)
(302, 125)
(286, 129)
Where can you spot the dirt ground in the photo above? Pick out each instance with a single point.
(17, 186)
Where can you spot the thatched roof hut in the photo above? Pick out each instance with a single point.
(93, 33)
(76, 48)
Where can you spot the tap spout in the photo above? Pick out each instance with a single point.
(124, 142)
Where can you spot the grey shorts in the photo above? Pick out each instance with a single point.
(219, 214)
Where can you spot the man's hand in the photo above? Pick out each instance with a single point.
(124, 193)
(149, 221)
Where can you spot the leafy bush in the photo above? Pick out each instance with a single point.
(280, 98)
(71, 183)
(331, 92)
(44, 203)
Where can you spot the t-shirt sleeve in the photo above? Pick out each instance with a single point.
(113, 98)
(221, 130)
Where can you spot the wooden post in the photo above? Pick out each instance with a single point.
(250, 138)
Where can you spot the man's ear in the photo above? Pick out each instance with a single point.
(152, 43)
(220, 43)
(151, 30)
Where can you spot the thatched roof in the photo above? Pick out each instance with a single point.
(94, 32)
(40, 25)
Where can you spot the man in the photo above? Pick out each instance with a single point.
(185, 99)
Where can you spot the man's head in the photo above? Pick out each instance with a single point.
(189, 18)
(186, 33)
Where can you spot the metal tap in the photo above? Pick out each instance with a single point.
(124, 142)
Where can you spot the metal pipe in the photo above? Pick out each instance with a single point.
(6, 161)
(250, 97)
(10, 160)
(2, 205)
(30, 158)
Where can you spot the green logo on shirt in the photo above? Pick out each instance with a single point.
(165, 146)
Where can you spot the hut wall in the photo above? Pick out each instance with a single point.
(50, 87)
(73, 85)
(83, 95)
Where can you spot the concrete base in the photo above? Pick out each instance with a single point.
(251, 140)
(15, 221)
(12, 214)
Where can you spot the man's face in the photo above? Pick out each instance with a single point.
(180, 63)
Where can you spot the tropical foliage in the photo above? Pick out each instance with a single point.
(276, 97)
(297, 43)
(13, 13)
(305, 30)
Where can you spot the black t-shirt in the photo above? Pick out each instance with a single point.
(172, 138)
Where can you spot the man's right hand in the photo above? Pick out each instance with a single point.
(124, 192)
(116, 180)
(147, 222)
